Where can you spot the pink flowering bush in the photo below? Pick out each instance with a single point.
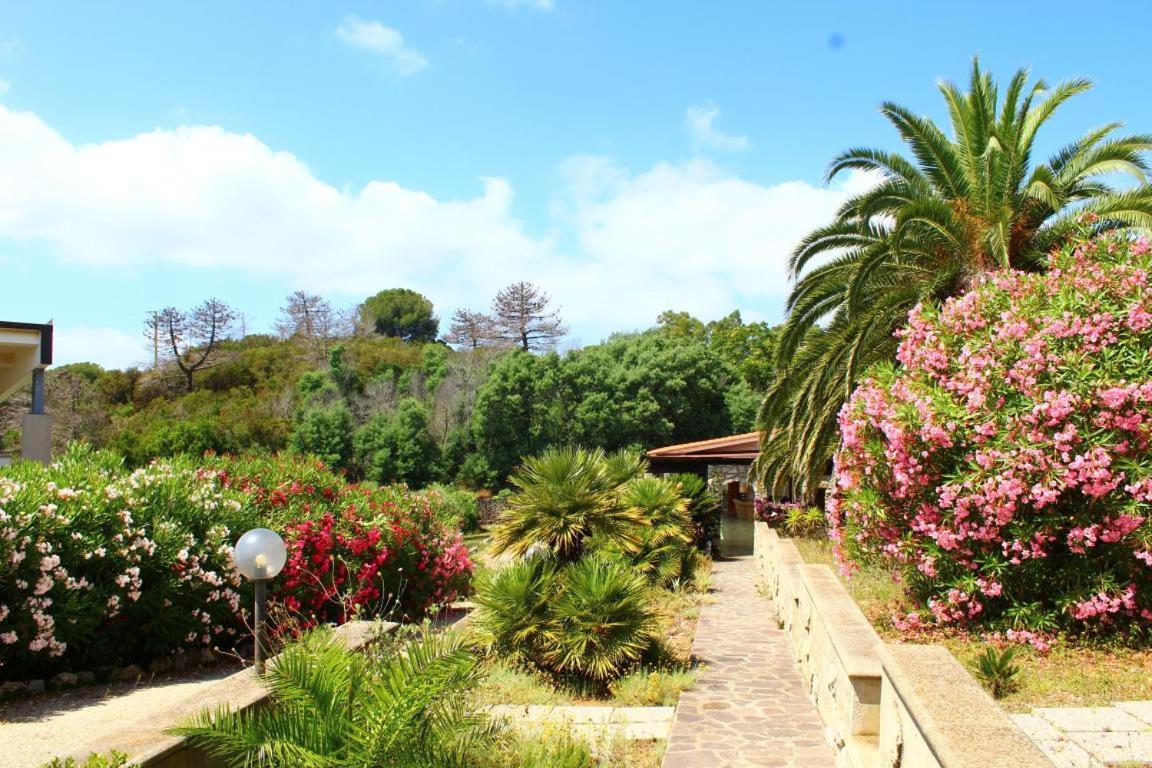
(102, 566)
(99, 565)
(1005, 467)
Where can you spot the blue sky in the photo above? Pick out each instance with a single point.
(626, 156)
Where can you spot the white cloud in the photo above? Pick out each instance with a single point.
(383, 41)
(700, 119)
(110, 347)
(539, 5)
(622, 245)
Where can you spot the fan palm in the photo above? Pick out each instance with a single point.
(962, 205)
(602, 619)
(665, 550)
(564, 496)
(334, 707)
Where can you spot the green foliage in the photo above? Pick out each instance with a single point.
(515, 609)
(332, 706)
(664, 553)
(647, 389)
(513, 415)
(703, 507)
(401, 313)
(434, 365)
(112, 759)
(563, 497)
(324, 431)
(590, 619)
(601, 620)
(396, 448)
(805, 522)
(996, 670)
(542, 750)
(964, 204)
(747, 347)
(652, 688)
(457, 508)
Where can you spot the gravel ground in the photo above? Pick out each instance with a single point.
(35, 730)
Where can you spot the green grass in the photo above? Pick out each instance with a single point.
(652, 688)
(558, 749)
(1072, 674)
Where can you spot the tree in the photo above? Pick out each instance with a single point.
(192, 339)
(470, 330)
(397, 448)
(324, 431)
(966, 204)
(513, 414)
(520, 316)
(308, 316)
(401, 313)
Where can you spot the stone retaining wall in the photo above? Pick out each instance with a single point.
(883, 705)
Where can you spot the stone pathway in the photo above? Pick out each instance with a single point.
(35, 730)
(749, 706)
(1093, 737)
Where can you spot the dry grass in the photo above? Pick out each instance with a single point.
(1072, 674)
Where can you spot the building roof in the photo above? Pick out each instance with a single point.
(735, 449)
(23, 346)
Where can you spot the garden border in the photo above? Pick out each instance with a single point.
(890, 705)
(148, 745)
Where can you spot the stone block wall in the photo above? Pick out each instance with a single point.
(883, 705)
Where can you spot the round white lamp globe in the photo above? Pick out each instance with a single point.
(260, 554)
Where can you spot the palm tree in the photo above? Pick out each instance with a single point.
(563, 497)
(665, 552)
(963, 205)
(334, 707)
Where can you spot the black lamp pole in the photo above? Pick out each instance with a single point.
(261, 615)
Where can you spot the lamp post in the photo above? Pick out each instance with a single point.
(259, 556)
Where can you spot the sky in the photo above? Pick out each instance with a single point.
(627, 157)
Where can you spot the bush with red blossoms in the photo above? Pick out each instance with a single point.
(102, 566)
(1005, 466)
(353, 552)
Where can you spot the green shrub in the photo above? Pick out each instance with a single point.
(514, 608)
(108, 566)
(324, 431)
(397, 448)
(563, 497)
(332, 706)
(996, 670)
(703, 507)
(663, 551)
(591, 619)
(457, 508)
(805, 522)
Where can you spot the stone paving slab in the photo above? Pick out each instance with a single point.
(1092, 737)
(1138, 709)
(1090, 719)
(749, 706)
(1118, 747)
